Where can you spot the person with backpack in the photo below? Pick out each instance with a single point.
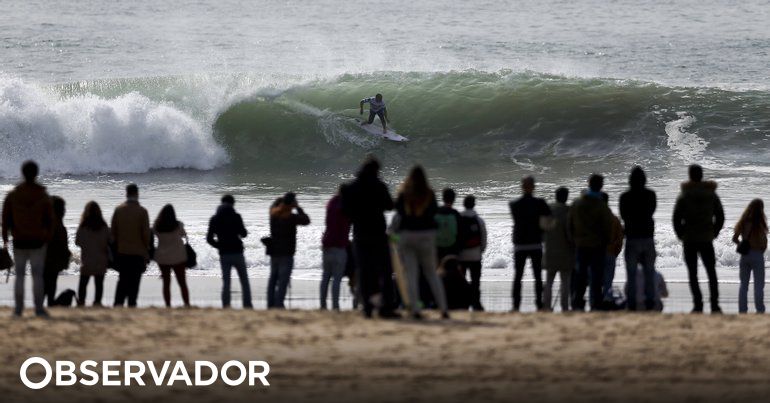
(473, 237)
(448, 221)
(530, 215)
(750, 234)
(698, 218)
(58, 255)
(283, 234)
(590, 226)
(28, 217)
(559, 254)
(416, 230)
(93, 238)
(171, 253)
(131, 234)
(225, 233)
(637, 206)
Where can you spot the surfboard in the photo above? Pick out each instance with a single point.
(376, 130)
(400, 272)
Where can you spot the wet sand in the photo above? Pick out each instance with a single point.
(338, 357)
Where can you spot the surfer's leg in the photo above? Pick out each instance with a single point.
(381, 114)
(371, 118)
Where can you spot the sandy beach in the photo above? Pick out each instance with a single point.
(323, 356)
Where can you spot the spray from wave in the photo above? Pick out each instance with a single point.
(91, 134)
(467, 120)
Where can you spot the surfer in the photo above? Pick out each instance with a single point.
(376, 107)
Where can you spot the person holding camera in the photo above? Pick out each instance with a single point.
(285, 216)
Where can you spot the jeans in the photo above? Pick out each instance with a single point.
(610, 262)
(334, 262)
(131, 268)
(641, 252)
(565, 277)
(36, 259)
(227, 261)
(475, 269)
(280, 276)
(83, 285)
(418, 251)
(754, 262)
(519, 261)
(706, 252)
(590, 265)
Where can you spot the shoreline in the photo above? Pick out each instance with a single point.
(205, 292)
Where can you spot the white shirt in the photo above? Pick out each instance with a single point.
(374, 105)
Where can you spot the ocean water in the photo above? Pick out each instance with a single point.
(195, 99)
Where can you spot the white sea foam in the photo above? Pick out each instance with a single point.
(92, 134)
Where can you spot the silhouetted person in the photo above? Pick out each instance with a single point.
(416, 206)
(698, 218)
(448, 221)
(751, 233)
(529, 216)
(225, 233)
(131, 234)
(334, 242)
(171, 252)
(28, 217)
(473, 236)
(57, 256)
(365, 201)
(93, 238)
(559, 257)
(590, 224)
(283, 232)
(613, 251)
(637, 206)
(661, 291)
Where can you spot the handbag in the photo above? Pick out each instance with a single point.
(743, 247)
(192, 257)
(268, 242)
(6, 262)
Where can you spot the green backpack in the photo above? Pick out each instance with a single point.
(446, 235)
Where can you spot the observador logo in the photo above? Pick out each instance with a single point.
(143, 373)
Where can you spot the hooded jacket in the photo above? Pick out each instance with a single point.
(590, 222)
(28, 216)
(637, 205)
(365, 201)
(226, 230)
(698, 213)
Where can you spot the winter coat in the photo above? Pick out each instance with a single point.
(698, 213)
(28, 216)
(226, 230)
(94, 250)
(171, 249)
(590, 222)
(131, 229)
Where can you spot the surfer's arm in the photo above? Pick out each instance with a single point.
(361, 105)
